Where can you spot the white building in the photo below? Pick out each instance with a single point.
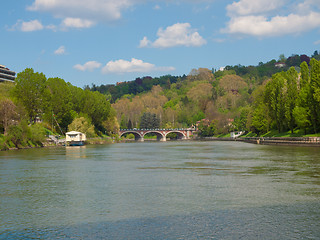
(6, 75)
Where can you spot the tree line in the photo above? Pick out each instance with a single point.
(53, 106)
(253, 99)
(222, 101)
(290, 100)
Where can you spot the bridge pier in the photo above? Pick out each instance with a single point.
(161, 138)
(139, 139)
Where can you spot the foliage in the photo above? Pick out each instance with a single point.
(56, 102)
(8, 113)
(31, 91)
(38, 134)
(206, 129)
(59, 102)
(149, 121)
(15, 135)
(83, 125)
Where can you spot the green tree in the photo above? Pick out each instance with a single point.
(301, 117)
(305, 75)
(206, 130)
(149, 121)
(97, 107)
(60, 103)
(275, 99)
(15, 135)
(291, 96)
(260, 121)
(81, 124)
(314, 97)
(38, 134)
(31, 91)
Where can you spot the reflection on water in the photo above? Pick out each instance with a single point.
(163, 190)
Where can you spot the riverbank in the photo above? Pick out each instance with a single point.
(310, 141)
(302, 141)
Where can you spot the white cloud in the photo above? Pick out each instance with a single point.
(260, 26)
(179, 34)
(76, 23)
(317, 42)
(135, 65)
(107, 10)
(262, 19)
(248, 7)
(60, 51)
(31, 26)
(144, 42)
(88, 66)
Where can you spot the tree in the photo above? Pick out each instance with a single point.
(149, 121)
(130, 124)
(60, 103)
(260, 121)
(301, 117)
(31, 91)
(305, 78)
(282, 58)
(291, 96)
(206, 129)
(97, 107)
(83, 125)
(111, 124)
(8, 113)
(275, 99)
(315, 93)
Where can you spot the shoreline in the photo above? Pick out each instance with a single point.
(282, 141)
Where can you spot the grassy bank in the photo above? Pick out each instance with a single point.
(275, 133)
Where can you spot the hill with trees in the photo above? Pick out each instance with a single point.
(280, 95)
(234, 98)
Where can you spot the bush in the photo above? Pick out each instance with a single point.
(15, 135)
(38, 134)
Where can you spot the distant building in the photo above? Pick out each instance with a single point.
(279, 64)
(6, 75)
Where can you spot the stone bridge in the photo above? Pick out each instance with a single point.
(160, 133)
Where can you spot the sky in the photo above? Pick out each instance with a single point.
(98, 42)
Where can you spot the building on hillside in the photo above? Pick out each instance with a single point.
(6, 75)
(279, 64)
(74, 138)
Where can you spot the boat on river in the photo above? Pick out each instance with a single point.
(75, 138)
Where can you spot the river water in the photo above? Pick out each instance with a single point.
(161, 190)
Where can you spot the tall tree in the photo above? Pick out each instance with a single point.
(275, 99)
(315, 93)
(60, 103)
(31, 91)
(291, 96)
(149, 121)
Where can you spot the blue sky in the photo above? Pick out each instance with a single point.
(108, 41)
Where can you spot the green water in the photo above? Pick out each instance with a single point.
(154, 190)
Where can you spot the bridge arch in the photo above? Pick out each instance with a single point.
(137, 136)
(180, 135)
(160, 136)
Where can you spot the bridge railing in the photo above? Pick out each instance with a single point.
(159, 129)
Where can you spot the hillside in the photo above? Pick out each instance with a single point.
(235, 98)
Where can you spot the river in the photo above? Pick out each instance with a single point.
(161, 190)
